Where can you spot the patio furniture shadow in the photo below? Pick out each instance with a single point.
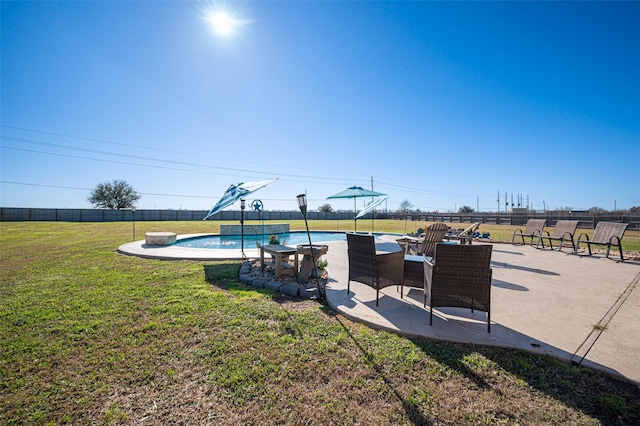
(221, 275)
(504, 265)
(508, 252)
(544, 374)
(531, 365)
(507, 285)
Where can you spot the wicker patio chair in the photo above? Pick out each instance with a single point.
(563, 231)
(606, 234)
(375, 270)
(425, 244)
(459, 276)
(465, 236)
(413, 273)
(532, 230)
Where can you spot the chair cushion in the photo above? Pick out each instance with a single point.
(414, 258)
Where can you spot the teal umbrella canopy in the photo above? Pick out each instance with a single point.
(355, 192)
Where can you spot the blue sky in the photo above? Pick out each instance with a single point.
(442, 104)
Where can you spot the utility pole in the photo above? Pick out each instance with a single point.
(498, 201)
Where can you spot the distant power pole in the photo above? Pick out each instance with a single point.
(498, 201)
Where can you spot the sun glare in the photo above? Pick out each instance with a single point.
(223, 24)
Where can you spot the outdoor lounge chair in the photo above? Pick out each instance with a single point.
(459, 276)
(465, 236)
(532, 230)
(563, 231)
(606, 234)
(375, 270)
(425, 244)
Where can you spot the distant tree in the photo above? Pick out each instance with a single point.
(113, 195)
(404, 206)
(563, 209)
(634, 210)
(465, 209)
(596, 210)
(325, 208)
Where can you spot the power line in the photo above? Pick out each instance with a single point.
(139, 157)
(243, 160)
(91, 189)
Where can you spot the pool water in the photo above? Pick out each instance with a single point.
(234, 241)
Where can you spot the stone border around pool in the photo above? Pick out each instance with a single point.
(286, 289)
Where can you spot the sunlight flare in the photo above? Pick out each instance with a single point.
(223, 23)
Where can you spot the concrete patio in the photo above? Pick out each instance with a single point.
(542, 301)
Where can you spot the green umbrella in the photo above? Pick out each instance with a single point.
(355, 192)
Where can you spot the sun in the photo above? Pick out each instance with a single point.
(223, 23)
(227, 18)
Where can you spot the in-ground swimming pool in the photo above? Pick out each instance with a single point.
(234, 241)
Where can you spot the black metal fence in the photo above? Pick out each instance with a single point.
(20, 214)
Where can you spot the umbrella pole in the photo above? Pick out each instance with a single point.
(355, 221)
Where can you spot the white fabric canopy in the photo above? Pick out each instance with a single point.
(369, 207)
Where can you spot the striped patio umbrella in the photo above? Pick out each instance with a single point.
(235, 192)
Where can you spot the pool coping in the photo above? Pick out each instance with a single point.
(141, 249)
(172, 252)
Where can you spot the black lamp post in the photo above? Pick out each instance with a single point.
(302, 203)
(133, 220)
(242, 206)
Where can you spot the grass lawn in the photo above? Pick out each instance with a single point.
(90, 336)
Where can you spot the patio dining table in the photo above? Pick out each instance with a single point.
(387, 247)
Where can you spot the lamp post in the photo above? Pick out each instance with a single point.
(302, 203)
(242, 206)
(133, 220)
